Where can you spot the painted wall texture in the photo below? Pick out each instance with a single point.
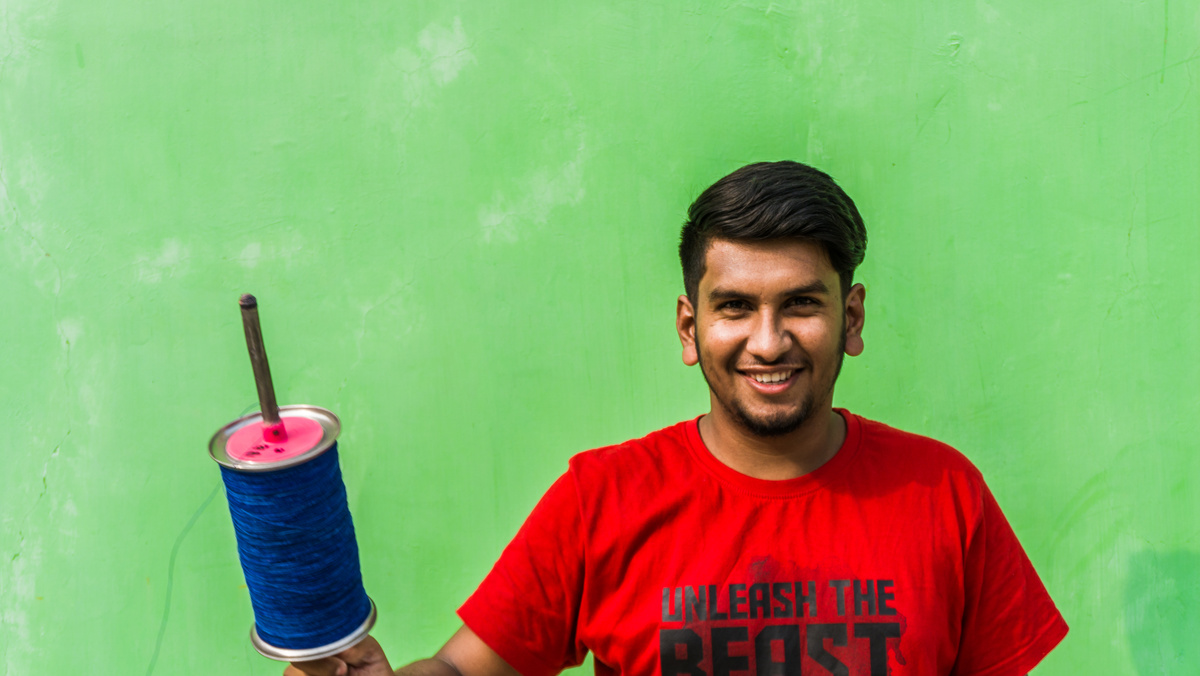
(460, 220)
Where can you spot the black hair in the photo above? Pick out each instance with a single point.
(774, 200)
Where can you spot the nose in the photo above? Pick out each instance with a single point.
(769, 341)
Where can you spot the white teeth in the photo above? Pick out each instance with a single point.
(768, 378)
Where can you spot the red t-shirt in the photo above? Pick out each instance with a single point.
(893, 558)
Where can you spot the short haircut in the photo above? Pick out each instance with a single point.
(774, 200)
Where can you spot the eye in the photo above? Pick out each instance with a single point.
(803, 302)
(734, 305)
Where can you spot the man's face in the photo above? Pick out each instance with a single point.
(769, 327)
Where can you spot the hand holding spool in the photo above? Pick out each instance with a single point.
(294, 532)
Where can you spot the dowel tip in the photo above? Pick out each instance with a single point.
(248, 301)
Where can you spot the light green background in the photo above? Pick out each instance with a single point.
(460, 220)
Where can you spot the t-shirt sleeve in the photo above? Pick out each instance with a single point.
(1009, 621)
(527, 607)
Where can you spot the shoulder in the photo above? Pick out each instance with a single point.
(900, 463)
(884, 444)
(636, 462)
(908, 471)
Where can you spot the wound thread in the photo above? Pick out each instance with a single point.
(298, 552)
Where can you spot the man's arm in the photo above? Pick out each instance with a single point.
(465, 654)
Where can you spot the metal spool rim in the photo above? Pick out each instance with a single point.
(330, 423)
(305, 654)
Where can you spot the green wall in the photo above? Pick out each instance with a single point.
(459, 218)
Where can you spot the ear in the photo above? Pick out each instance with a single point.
(855, 315)
(685, 326)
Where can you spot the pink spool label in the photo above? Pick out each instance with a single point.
(257, 442)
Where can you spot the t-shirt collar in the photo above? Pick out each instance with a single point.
(822, 476)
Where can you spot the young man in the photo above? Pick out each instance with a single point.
(774, 534)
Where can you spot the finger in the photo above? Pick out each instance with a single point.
(366, 651)
(326, 666)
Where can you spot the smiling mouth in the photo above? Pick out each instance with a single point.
(771, 378)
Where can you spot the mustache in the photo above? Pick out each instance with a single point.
(791, 364)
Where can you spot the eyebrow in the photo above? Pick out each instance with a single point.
(816, 287)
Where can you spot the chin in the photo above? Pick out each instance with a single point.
(773, 425)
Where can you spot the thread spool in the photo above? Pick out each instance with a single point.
(294, 532)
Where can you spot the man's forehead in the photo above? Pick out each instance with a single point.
(774, 263)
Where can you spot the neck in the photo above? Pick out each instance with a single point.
(774, 458)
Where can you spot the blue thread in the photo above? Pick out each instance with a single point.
(296, 542)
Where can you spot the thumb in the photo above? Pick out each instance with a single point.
(326, 666)
(366, 652)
